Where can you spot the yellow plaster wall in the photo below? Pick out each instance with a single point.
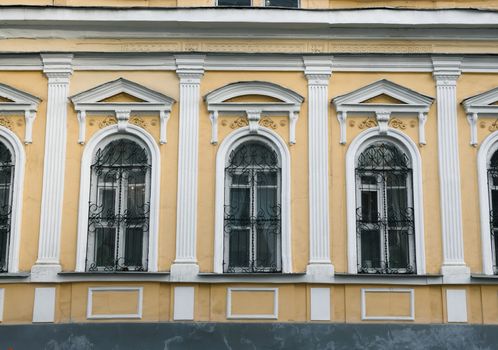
(391, 304)
(207, 160)
(33, 83)
(423, 83)
(164, 82)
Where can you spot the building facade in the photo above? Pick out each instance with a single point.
(313, 162)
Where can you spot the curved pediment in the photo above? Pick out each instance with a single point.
(253, 88)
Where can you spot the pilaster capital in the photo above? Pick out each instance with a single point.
(190, 68)
(317, 69)
(57, 67)
(446, 70)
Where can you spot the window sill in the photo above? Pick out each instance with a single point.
(350, 278)
(484, 279)
(264, 277)
(17, 275)
(114, 276)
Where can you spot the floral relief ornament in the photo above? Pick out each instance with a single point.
(239, 123)
(268, 123)
(138, 122)
(493, 126)
(397, 124)
(367, 123)
(107, 122)
(6, 123)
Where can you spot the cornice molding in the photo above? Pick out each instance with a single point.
(412, 102)
(151, 101)
(57, 67)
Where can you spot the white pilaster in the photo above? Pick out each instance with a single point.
(57, 68)
(446, 73)
(318, 71)
(190, 70)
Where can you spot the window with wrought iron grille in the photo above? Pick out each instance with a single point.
(118, 222)
(252, 214)
(493, 205)
(384, 210)
(267, 3)
(6, 179)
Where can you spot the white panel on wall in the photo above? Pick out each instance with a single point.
(183, 304)
(2, 298)
(44, 308)
(320, 304)
(456, 305)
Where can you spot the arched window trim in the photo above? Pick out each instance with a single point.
(228, 144)
(102, 137)
(13, 143)
(486, 150)
(362, 141)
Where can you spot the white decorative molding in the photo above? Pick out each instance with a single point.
(107, 134)
(2, 303)
(486, 151)
(21, 102)
(16, 148)
(320, 304)
(481, 104)
(288, 102)
(44, 305)
(411, 103)
(89, 309)
(318, 70)
(91, 101)
(57, 68)
(456, 305)
(362, 141)
(184, 304)
(190, 71)
(366, 317)
(229, 143)
(232, 316)
(446, 73)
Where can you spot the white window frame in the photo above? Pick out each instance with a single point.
(14, 145)
(381, 197)
(229, 186)
(87, 159)
(486, 151)
(279, 145)
(122, 247)
(359, 143)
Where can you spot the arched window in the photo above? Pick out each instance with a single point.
(493, 206)
(385, 225)
(119, 206)
(6, 180)
(252, 214)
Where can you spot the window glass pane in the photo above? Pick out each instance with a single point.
(104, 246)
(370, 248)
(234, 2)
(282, 3)
(267, 242)
(398, 249)
(267, 178)
(108, 202)
(369, 180)
(267, 208)
(4, 240)
(369, 206)
(135, 200)
(133, 246)
(239, 205)
(239, 248)
(397, 203)
(494, 209)
(240, 179)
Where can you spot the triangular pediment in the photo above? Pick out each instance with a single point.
(483, 100)
(12, 96)
(383, 92)
(120, 91)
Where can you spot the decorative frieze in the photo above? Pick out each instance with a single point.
(446, 73)
(57, 68)
(318, 71)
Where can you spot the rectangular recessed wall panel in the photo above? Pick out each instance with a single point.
(456, 305)
(44, 305)
(252, 303)
(2, 301)
(388, 304)
(320, 304)
(114, 302)
(184, 304)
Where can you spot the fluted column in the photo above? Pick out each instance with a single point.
(446, 73)
(190, 70)
(57, 68)
(318, 71)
